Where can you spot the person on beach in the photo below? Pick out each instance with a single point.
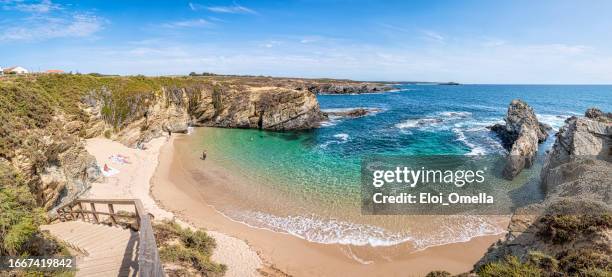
(204, 155)
(106, 169)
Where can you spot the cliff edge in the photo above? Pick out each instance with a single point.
(570, 232)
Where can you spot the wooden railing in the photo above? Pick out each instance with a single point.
(149, 264)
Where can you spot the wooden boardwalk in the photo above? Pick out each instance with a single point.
(108, 250)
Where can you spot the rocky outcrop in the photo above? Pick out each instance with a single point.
(174, 109)
(56, 165)
(346, 88)
(574, 222)
(352, 113)
(274, 109)
(520, 135)
(582, 138)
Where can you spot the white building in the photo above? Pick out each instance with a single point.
(15, 70)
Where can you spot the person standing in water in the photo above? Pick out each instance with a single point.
(204, 155)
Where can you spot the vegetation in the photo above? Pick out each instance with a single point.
(564, 228)
(184, 251)
(584, 262)
(511, 267)
(19, 221)
(29, 108)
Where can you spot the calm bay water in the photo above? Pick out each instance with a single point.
(308, 182)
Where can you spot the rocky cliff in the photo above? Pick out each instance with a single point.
(520, 135)
(225, 105)
(570, 232)
(43, 139)
(346, 88)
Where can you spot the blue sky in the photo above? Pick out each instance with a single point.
(465, 41)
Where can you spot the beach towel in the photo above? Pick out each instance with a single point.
(119, 159)
(110, 172)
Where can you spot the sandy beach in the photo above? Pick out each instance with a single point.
(177, 190)
(133, 181)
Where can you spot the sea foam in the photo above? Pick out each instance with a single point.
(333, 231)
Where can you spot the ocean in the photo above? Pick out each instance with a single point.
(307, 183)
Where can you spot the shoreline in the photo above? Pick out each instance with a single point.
(175, 189)
(133, 180)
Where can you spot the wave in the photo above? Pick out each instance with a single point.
(439, 120)
(343, 137)
(415, 123)
(339, 139)
(475, 149)
(332, 231)
(454, 115)
(555, 121)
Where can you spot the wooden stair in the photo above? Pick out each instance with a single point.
(108, 250)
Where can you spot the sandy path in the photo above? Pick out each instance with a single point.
(133, 181)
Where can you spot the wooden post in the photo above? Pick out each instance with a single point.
(138, 216)
(71, 213)
(93, 212)
(82, 214)
(111, 212)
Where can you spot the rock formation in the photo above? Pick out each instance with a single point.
(346, 88)
(353, 113)
(220, 105)
(57, 166)
(520, 136)
(274, 109)
(573, 223)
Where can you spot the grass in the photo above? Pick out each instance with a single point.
(190, 250)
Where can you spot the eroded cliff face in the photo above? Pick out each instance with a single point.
(574, 222)
(264, 108)
(55, 163)
(174, 109)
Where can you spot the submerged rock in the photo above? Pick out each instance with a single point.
(353, 113)
(520, 135)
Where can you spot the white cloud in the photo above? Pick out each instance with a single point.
(47, 20)
(43, 6)
(434, 36)
(493, 43)
(43, 27)
(189, 23)
(236, 9)
(195, 7)
(394, 28)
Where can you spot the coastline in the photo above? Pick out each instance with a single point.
(134, 181)
(176, 190)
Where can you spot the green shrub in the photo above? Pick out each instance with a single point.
(191, 249)
(19, 217)
(565, 228)
(511, 266)
(438, 273)
(543, 261)
(577, 262)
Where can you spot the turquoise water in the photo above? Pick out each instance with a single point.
(318, 171)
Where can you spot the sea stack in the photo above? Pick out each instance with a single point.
(520, 135)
